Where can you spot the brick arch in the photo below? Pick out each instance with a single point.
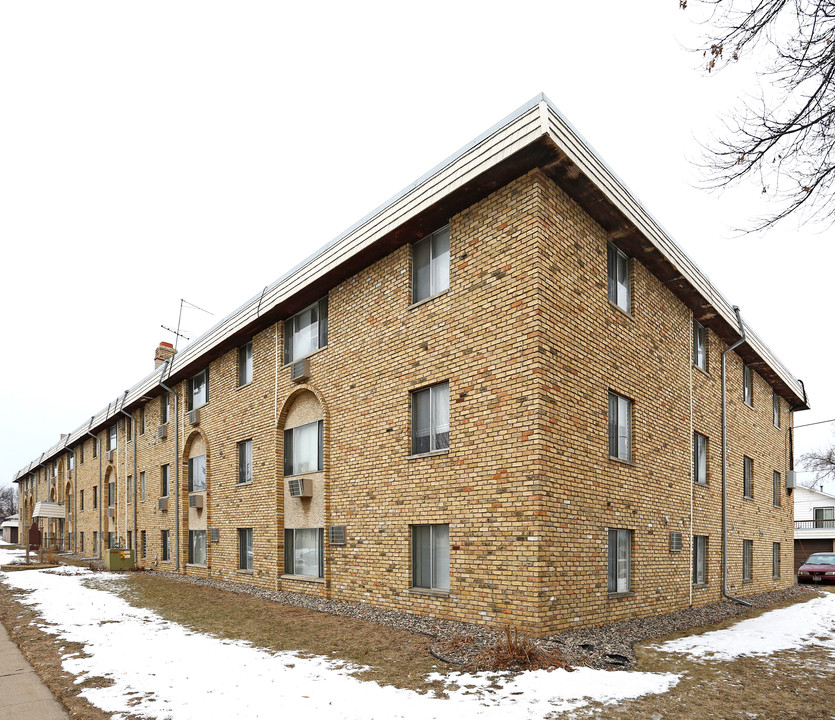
(290, 401)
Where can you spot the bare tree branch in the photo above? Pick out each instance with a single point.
(821, 462)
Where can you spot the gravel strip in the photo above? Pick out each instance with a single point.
(602, 646)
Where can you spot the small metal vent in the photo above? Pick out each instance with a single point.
(111, 512)
(336, 534)
(195, 501)
(162, 431)
(111, 456)
(300, 488)
(300, 370)
(214, 534)
(791, 478)
(675, 542)
(194, 417)
(163, 504)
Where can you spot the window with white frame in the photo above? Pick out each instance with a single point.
(824, 517)
(244, 462)
(620, 427)
(775, 409)
(430, 265)
(304, 448)
(304, 551)
(245, 364)
(699, 458)
(618, 272)
(198, 389)
(699, 345)
(699, 559)
(430, 557)
(130, 489)
(165, 541)
(197, 547)
(111, 494)
(245, 549)
(747, 386)
(775, 560)
(620, 560)
(747, 558)
(197, 474)
(112, 440)
(430, 419)
(71, 461)
(142, 486)
(777, 489)
(306, 331)
(164, 404)
(747, 477)
(164, 480)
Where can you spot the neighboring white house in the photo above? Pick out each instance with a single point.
(814, 523)
(8, 529)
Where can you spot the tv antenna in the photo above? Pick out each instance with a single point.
(177, 333)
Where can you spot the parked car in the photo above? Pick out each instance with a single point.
(818, 568)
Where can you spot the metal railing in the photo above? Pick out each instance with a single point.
(813, 524)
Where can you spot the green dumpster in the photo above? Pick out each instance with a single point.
(116, 559)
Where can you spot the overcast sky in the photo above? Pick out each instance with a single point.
(158, 151)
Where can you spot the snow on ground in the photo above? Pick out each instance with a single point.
(162, 670)
(808, 624)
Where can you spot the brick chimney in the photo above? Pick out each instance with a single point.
(165, 351)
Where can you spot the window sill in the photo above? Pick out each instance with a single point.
(245, 385)
(426, 300)
(303, 475)
(748, 581)
(617, 595)
(702, 371)
(310, 354)
(196, 565)
(775, 577)
(701, 484)
(244, 572)
(748, 497)
(699, 586)
(617, 307)
(433, 453)
(632, 463)
(748, 405)
(243, 484)
(303, 578)
(428, 591)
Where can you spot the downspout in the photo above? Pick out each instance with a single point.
(692, 477)
(176, 470)
(99, 498)
(133, 436)
(74, 475)
(725, 466)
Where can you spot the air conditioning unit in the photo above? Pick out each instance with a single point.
(300, 370)
(194, 417)
(195, 501)
(214, 534)
(111, 512)
(162, 431)
(336, 534)
(163, 504)
(791, 479)
(111, 456)
(300, 488)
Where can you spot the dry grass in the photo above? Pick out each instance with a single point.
(514, 651)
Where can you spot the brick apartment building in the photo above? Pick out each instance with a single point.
(497, 398)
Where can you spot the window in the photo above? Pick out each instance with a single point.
(112, 438)
(111, 494)
(245, 364)
(130, 539)
(142, 420)
(166, 545)
(620, 560)
(81, 541)
(245, 462)
(775, 560)
(430, 419)
(430, 557)
(748, 477)
(618, 271)
(95, 543)
(304, 552)
(747, 386)
(304, 449)
(824, 517)
(95, 447)
(747, 555)
(142, 486)
(699, 346)
(111, 539)
(245, 548)
(81, 500)
(95, 498)
(306, 332)
(197, 474)
(430, 265)
(197, 547)
(777, 489)
(775, 409)
(130, 489)
(164, 473)
(700, 458)
(71, 461)
(198, 389)
(81, 453)
(143, 546)
(699, 559)
(129, 428)
(164, 403)
(620, 427)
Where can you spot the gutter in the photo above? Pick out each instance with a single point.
(133, 437)
(176, 469)
(725, 466)
(99, 498)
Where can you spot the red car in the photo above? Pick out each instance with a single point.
(818, 568)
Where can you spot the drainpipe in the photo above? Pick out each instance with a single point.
(74, 474)
(176, 470)
(98, 454)
(725, 466)
(133, 436)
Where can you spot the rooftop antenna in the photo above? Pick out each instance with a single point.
(177, 333)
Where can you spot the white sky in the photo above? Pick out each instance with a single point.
(157, 151)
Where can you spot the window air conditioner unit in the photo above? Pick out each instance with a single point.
(214, 534)
(675, 542)
(163, 504)
(300, 370)
(111, 512)
(111, 456)
(300, 488)
(194, 417)
(195, 501)
(336, 534)
(791, 479)
(162, 431)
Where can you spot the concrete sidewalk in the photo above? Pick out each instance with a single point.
(22, 694)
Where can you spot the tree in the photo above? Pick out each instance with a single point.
(783, 135)
(821, 462)
(8, 501)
